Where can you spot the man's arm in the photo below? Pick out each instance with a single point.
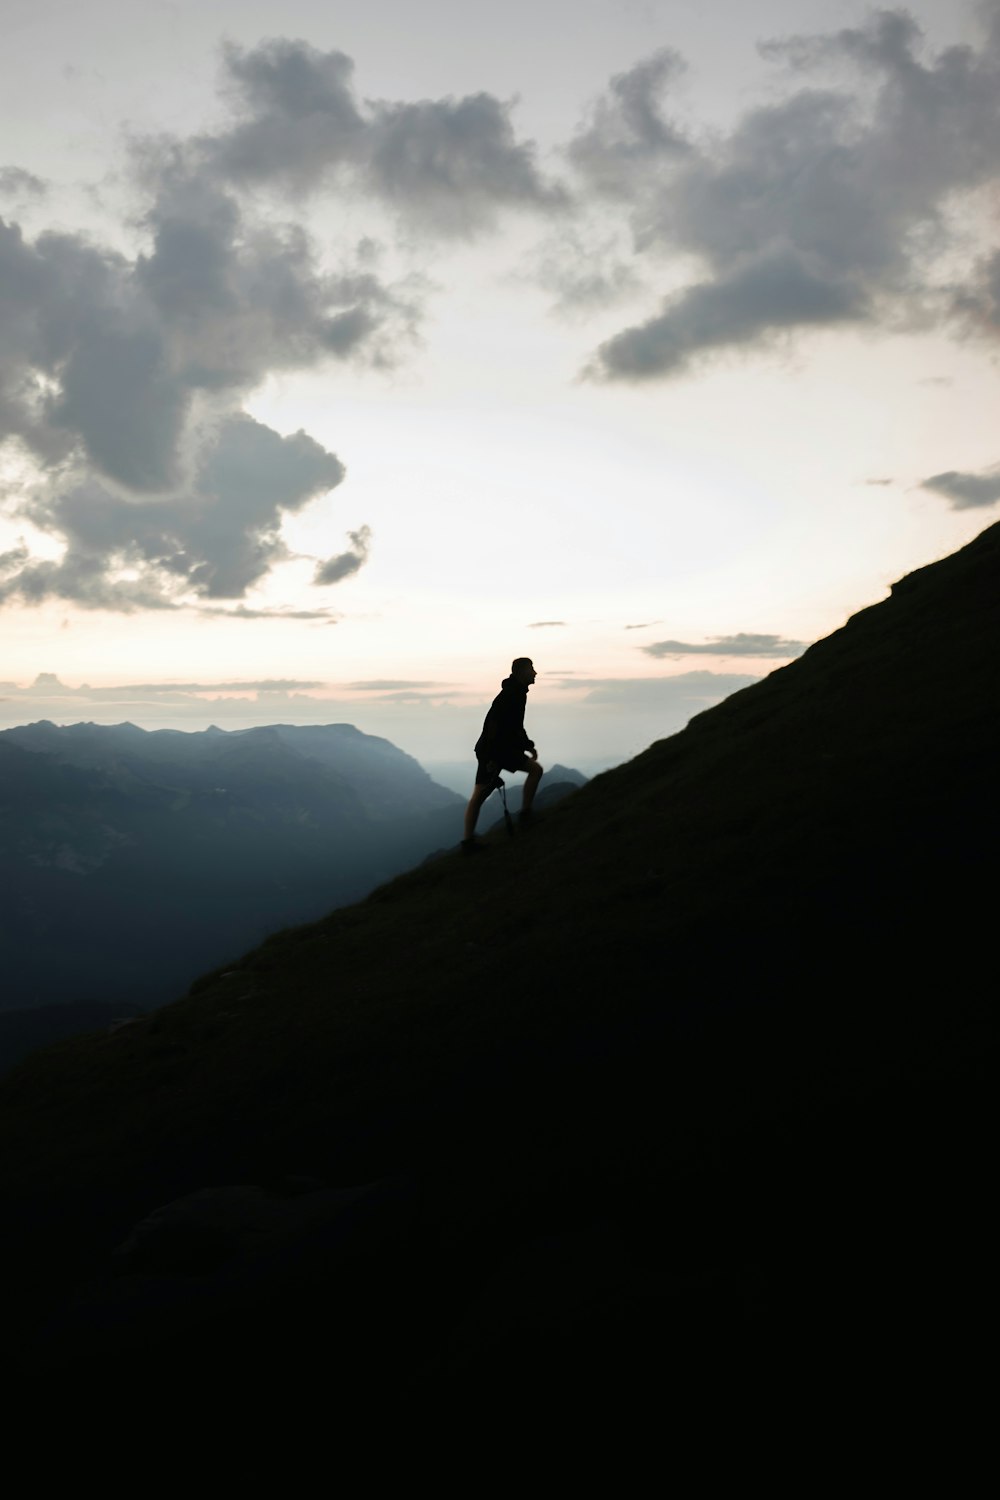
(486, 745)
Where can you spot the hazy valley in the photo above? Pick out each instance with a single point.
(132, 860)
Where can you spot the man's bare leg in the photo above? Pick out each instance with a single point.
(479, 796)
(531, 786)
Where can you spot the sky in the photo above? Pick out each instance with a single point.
(348, 352)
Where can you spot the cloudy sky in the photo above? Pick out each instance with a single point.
(348, 351)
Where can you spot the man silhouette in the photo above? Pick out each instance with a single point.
(504, 746)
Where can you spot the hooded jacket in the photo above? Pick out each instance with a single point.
(504, 737)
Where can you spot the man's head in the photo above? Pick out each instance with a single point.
(522, 670)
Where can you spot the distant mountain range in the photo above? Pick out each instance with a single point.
(133, 860)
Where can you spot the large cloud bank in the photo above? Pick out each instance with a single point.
(122, 378)
(853, 198)
(829, 207)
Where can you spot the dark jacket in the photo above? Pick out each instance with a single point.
(504, 737)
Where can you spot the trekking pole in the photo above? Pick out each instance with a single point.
(506, 814)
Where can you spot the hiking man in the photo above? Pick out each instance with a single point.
(504, 746)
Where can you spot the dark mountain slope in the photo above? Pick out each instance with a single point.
(729, 1004)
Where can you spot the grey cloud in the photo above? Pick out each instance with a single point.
(48, 683)
(642, 625)
(241, 612)
(827, 207)
(80, 582)
(243, 297)
(450, 164)
(110, 365)
(346, 563)
(757, 302)
(628, 132)
(878, 481)
(101, 359)
(268, 685)
(84, 580)
(977, 305)
(390, 684)
(121, 395)
(65, 308)
(446, 164)
(213, 541)
(584, 268)
(886, 42)
(545, 624)
(965, 491)
(742, 644)
(15, 182)
(16, 557)
(581, 281)
(412, 695)
(684, 694)
(300, 115)
(167, 703)
(247, 479)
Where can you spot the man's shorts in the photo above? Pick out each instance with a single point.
(488, 777)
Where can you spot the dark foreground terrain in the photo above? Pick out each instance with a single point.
(687, 1095)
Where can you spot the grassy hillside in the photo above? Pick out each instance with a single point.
(727, 1005)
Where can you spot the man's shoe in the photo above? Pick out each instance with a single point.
(527, 816)
(472, 846)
